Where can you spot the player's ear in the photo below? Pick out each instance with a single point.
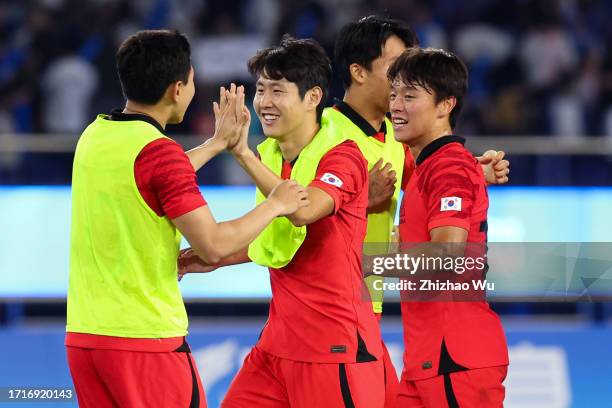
(358, 73)
(445, 106)
(314, 97)
(174, 90)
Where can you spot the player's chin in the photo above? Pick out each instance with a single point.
(402, 134)
(271, 132)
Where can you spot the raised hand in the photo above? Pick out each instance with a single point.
(381, 186)
(241, 144)
(228, 115)
(288, 197)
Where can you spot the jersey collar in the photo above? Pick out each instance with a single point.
(436, 145)
(358, 120)
(116, 114)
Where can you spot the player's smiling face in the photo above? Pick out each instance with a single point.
(414, 112)
(279, 106)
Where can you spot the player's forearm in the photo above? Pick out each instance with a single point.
(202, 154)
(232, 236)
(303, 216)
(321, 205)
(189, 262)
(264, 178)
(240, 257)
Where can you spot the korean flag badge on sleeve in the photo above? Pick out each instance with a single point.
(332, 179)
(450, 204)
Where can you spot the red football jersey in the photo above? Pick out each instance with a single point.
(320, 311)
(448, 188)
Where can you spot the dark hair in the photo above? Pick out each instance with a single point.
(303, 62)
(149, 61)
(437, 71)
(361, 42)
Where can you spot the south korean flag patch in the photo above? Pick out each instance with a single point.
(450, 204)
(332, 179)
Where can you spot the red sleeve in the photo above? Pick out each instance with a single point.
(166, 179)
(342, 173)
(450, 190)
(409, 166)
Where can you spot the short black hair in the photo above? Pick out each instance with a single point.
(439, 72)
(149, 61)
(303, 62)
(361, 42)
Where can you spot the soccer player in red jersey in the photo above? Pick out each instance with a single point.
(364, 50)
(133, 190)
(321, 346)
(455, 352)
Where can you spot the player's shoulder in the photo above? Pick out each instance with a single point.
(347, 148)
(162, 145)
(160, 150)
(450, 164)
(455, 148)
(347, 145)
(347, 158)
(452, 157)
(167, 143)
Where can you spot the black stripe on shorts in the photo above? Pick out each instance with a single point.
(450, 393)
(344, 388)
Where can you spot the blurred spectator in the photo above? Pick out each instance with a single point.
(482, 47)
(262, 17)
(430, 32)
(550, 58)
(221, 58)
(68, 84)
(547, 53)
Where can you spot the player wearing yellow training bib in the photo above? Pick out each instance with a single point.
(133, 190)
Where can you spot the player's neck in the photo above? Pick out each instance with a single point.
(153, 111)
(364, 107)
(294, 142)
(420, 143)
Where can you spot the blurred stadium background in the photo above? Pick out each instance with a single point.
(540, 89)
